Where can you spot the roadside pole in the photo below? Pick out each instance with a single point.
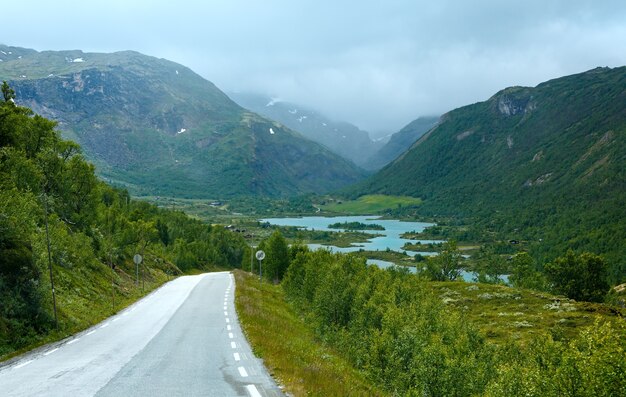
(137, 259)
(260, 255)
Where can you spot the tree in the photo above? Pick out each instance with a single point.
(277, 257)
(491, 265)
(7, 92)
(446, 266)
(581, 277)
(524, 273)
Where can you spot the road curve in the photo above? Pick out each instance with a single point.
(184, 339)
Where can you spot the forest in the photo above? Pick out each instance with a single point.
(61, 226)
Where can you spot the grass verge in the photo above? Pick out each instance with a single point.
(289, 349)
(86, 296)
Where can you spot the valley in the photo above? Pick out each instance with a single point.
(483, 257)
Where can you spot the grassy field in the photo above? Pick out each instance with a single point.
(503, 313)
(289, 349)
(369, 204)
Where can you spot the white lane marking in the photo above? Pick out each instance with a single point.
(242, 372)
(226, 313)
(51, 351)
(227, 320)
(237, 357)
(105, 325)
(253, 391)
(24, 364)
(233, 345)
(73, 340)
(115, 319)
(125, 313)
(91, 332)
(230, 335)
(228, 327)
(225, 308)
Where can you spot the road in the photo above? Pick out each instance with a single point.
(183, 339)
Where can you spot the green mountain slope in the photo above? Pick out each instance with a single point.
(157, 128)
(546, 164)
(343, 138)
(67, 240)
(401, 141)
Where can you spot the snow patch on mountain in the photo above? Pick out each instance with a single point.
(273, 101)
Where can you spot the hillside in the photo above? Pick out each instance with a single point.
(400, 142)
(157, 128)
(545, 165)
(343, 138)
(67, 240)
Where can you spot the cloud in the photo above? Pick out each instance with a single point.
(376, 64)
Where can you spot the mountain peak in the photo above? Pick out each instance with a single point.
(156, 127)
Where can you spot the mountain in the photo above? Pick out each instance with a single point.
(343, 138)
(546, 164)
(157, 128)
(401, 141)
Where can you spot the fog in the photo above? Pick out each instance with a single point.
(376, 64)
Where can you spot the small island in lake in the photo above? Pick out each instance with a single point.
(355, 226)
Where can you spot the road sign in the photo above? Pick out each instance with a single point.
(260, 255)
(137, 259)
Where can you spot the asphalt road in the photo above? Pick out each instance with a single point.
(182, 340)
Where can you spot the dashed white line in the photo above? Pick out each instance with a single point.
(91, 332)
(230, 335)
(24, 364)
(253, 391)
(227, 320)
(242, 372)
(226, 313)
(73, 340)
(115, 319)
(228, 327)
(104, 325)
(237, 357)
(50, 352)
(233, 345)
(125, 313)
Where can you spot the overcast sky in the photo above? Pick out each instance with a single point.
(378, 64)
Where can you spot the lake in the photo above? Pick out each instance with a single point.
(390, 237)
